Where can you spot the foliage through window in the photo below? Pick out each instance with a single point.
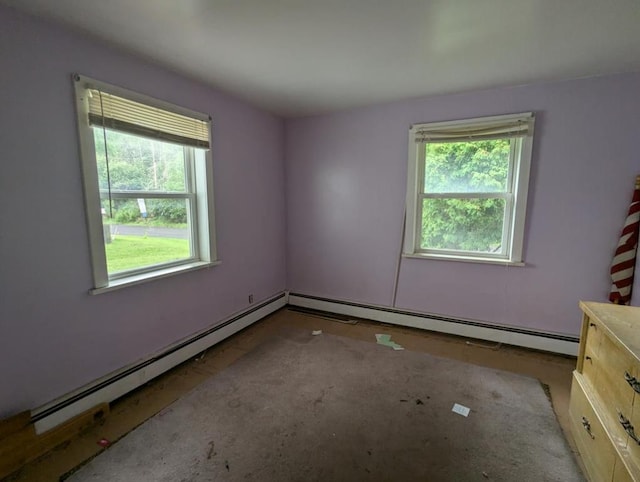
(467, 188)
(140, 229)
(147, 184)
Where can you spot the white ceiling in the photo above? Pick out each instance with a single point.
(300, 57)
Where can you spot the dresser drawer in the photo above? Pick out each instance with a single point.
(592, 335)
(620, 473)
(615, 368)
(633, 447)
(595, 448)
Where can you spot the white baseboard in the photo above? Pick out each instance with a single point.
(551, 342)
(129, 378)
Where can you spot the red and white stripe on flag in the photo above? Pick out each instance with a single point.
(624, 261)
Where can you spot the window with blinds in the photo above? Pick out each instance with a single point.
(120, 114)
(467, 188)
(148, 185)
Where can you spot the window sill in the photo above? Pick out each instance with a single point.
(464, 259)
(146, 277)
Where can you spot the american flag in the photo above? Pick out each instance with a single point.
(624, 260)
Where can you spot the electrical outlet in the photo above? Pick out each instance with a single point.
(250, 298)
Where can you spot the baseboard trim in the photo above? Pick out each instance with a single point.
(117, 384)
(539, 340)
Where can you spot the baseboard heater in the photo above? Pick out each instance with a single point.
(511, 335)
(129, 378)
(117, 384)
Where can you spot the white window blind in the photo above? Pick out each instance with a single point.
(113, 112)
(494, 129)
(115, 125)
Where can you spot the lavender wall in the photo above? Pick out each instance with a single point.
(54, 336)
(345, 188)
(346, 178)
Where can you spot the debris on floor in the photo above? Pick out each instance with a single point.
(212, 448)
(316, 332)
(419, 402)
(495, 347)
(461, 410)
(386, 341)
(201, 356)
(348, 322)
(485, 475)
(103, 442)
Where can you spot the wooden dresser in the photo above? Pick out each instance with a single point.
(605, 395)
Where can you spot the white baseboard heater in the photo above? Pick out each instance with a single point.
(119, 383)
(129, 378)
(511, 335)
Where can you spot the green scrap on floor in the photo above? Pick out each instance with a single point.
(386, 341)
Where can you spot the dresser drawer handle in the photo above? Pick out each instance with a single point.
(632, 381)
(587, 426)
(627, 427)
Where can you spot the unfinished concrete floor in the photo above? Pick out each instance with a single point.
(133, 409)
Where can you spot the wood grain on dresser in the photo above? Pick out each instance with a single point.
(605, 395)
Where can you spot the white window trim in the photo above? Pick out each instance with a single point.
(165, 272)
(206, 253)
(515, 217)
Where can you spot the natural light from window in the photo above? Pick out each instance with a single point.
(148, 183)
(141, 229)
(467, 189)
(465, 194)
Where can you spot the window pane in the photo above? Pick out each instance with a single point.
(463, 224)
(138, 163)
(145, 232)
(477, 166)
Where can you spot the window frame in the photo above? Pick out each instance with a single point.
(515, 195)
(199, 188)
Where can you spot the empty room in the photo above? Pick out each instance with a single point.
(295, 240)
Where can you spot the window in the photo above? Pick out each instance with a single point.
(148, 185)
(467, 189)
